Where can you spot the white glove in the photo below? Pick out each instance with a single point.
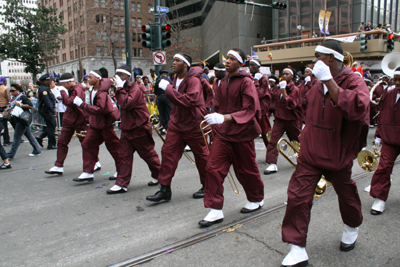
(120, 82)
(163, 84)
(378, 141)
(214, 118)
(282, 84)
(258, 76)
(322, 71)
(307, 79)
(78, 101)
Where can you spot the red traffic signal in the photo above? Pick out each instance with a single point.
(146, 28)
(166, 27)
(390, 36)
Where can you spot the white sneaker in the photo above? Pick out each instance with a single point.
(187, 148)
(378, 206)
(86, 175)
(252, 206)
(117, 188)
(350, 234)
(272, 168)
(34, 155)
(97, 166)
(56, 169)
(214, 215)
(296, 255)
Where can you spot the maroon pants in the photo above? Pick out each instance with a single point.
(372, 112)
(265, 127)
(64, 139)
(145, 147)
(292, 129)
(172, 150)
(380, 183)
(242, 156)
(300, 199)
(91, 146)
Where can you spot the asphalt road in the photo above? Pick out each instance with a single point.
(53, 221)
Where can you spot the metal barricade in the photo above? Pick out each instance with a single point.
(37, 120)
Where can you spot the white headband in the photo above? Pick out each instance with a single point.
(310, 69)
(123, 71)
(95, 74)
(218, 69)
(272, 80)
(236, 55)
(68, 80)
(255, 62)
(289, 70)
(182, 58)
(326, 50)
(397, 72)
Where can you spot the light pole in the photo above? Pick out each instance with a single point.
(127, 36)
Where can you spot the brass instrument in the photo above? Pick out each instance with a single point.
(294, 147)
(82, 134)
(268, 135)
(368, 160)
(206, 133)
(390, 63)
(371, 93)
(348, 59)
(154, 122)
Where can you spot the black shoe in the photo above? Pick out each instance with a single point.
(375, 212)
(164, 194)
(51, 147)
(7, 144)
(199, 194)
(4, 166)
(152, 183)
(40, 141)
(244, 210)
(97, 169)
(112, 178)
(83, 180)
(299, 264)
(347, 247)
(111, 192)
(204, 223)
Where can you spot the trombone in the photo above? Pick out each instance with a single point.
(295, 147)
(206, 133)
(153, 120)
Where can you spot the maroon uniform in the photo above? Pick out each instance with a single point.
(333, 135)
(287, 115)
(304, 88)
(187, 112)
(136, 134)
(101, 127)
(389, 132)
(264, 96)
(74, 119)
(234, 141)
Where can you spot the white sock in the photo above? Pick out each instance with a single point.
(117, 188)
(297, 254)
(254, 205)
(115, 175)
(154, 180)
(214, 215)
(350, 234)
(379, 205)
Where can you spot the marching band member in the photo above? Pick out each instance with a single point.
(337, 118)
(103, 113)
(236, 125)
(389, 138)
(275, 92)
(74, 119)
(264, 95)
(188, 110)
(305, 86)
(136, 132)
(287, 115)
(220, 72)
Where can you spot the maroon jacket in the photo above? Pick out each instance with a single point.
(275, 93)
(288, 108)
(237, 96)
(102, 107)
(134, 111)
(207, 93)
(304, 88)
(335, 133)
(188, 108)
(389, 119)
(264, 93)
(74, 115)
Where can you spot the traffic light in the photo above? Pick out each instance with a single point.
(363, 42)
(278, 5)
(147, 36)
(165, 35)
(390, 42)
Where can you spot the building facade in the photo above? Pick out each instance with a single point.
(96, 35)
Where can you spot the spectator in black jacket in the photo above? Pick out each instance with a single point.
(163, 103)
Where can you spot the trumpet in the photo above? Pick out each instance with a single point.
(294, 146)
(206, 133)
(154, 122)
(368, 160)
(81, 134)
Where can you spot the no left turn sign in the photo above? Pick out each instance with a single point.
(159, 58)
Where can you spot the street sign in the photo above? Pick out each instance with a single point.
(162, 9)
(162, 15)
(159, 58)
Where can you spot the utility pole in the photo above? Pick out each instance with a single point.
(157, 32)
(127, 35)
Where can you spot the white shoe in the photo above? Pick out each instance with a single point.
(378, 206)
(55, 170)
(86, 175)
(252, 206)
(97, 166)
(117, 188)
(187, 148)
(296, 255)
(350, 234)
(214, 215)
(272, 168)
(34, 155)
(367, 189)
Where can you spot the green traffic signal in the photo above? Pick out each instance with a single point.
(363, 42)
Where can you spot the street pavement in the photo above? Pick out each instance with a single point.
(52, 221)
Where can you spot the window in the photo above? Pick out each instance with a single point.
(83, 52)
(103, 3)
(69, 11)
(140, 52)
(97, 18)
(139, 6)
(116, 5)
(116, 36)
(70, 26)
(76, 53)
(98, 51)
(122, 50)
(62, 15)
(97, 35)
(104, 51)
(104, 19)
(116, 21)
(117, 51)
(149, 7)
(134, 22)
(122, 21)
(71, 55)
(133, 6)
(139, 37)
(134, 37)
(62, 44)
(121, 5)
(122, 37)
(139, 22)
(61, 3)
